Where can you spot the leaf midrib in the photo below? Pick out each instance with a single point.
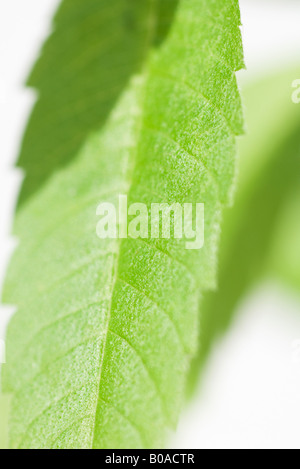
(139, 117)
(115, 268)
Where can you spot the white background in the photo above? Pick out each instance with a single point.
(250, 397)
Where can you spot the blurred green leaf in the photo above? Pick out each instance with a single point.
(4, 413)
(99, 349)
(268, 178)
(284, 261)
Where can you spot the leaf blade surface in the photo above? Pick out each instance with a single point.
(106, 328)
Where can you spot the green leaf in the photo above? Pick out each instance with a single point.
(96, 47)
(284, 259)
(99, 349)
(252, 247)
(4, 412)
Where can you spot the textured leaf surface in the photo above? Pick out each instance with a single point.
(259, 234)
(97, 45)
(100, 347)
